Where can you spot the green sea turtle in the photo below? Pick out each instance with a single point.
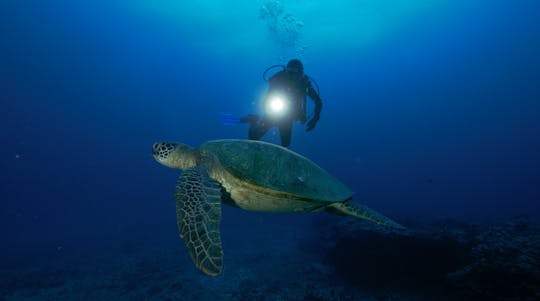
(250, 175)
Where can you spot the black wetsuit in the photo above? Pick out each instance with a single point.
(295, 90)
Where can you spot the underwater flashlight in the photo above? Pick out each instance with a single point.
(276, 105)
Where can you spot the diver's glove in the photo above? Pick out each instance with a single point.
(312, 122)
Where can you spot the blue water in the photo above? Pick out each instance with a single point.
(431, 110)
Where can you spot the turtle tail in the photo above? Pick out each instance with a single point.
(349, 207)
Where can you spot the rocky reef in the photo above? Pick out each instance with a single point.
(445, 259)
(339, 259)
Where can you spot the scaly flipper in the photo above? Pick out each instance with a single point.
(198, 213)
(352, 208)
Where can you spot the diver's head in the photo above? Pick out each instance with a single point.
(295, 66)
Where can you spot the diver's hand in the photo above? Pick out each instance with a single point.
(311, 123)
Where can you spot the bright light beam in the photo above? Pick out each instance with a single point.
(276, 106)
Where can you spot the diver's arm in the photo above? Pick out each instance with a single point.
(317, 110)
(316, 99)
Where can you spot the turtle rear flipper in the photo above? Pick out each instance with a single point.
(198, 213)
(349, 207)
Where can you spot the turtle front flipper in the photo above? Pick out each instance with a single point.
(349, 207)
(198, 213)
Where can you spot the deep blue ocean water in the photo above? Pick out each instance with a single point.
(431, 111)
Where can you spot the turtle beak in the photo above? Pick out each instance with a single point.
(155, 150)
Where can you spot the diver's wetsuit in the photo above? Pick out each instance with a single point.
(295, 90)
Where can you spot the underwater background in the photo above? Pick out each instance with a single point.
(431, 116)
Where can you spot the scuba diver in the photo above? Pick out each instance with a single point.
(284, 103)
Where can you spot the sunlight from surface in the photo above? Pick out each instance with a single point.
(287, 26)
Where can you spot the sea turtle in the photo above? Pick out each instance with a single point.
(250, 175)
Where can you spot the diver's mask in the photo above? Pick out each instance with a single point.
(294, 70)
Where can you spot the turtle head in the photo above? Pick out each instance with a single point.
(174, 155)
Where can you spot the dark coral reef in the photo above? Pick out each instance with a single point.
(340, 259)
(442, 259)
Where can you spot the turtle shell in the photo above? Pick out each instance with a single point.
(273, 167)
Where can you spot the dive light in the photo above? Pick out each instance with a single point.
(276, 106)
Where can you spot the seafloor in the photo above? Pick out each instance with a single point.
(350, 260)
